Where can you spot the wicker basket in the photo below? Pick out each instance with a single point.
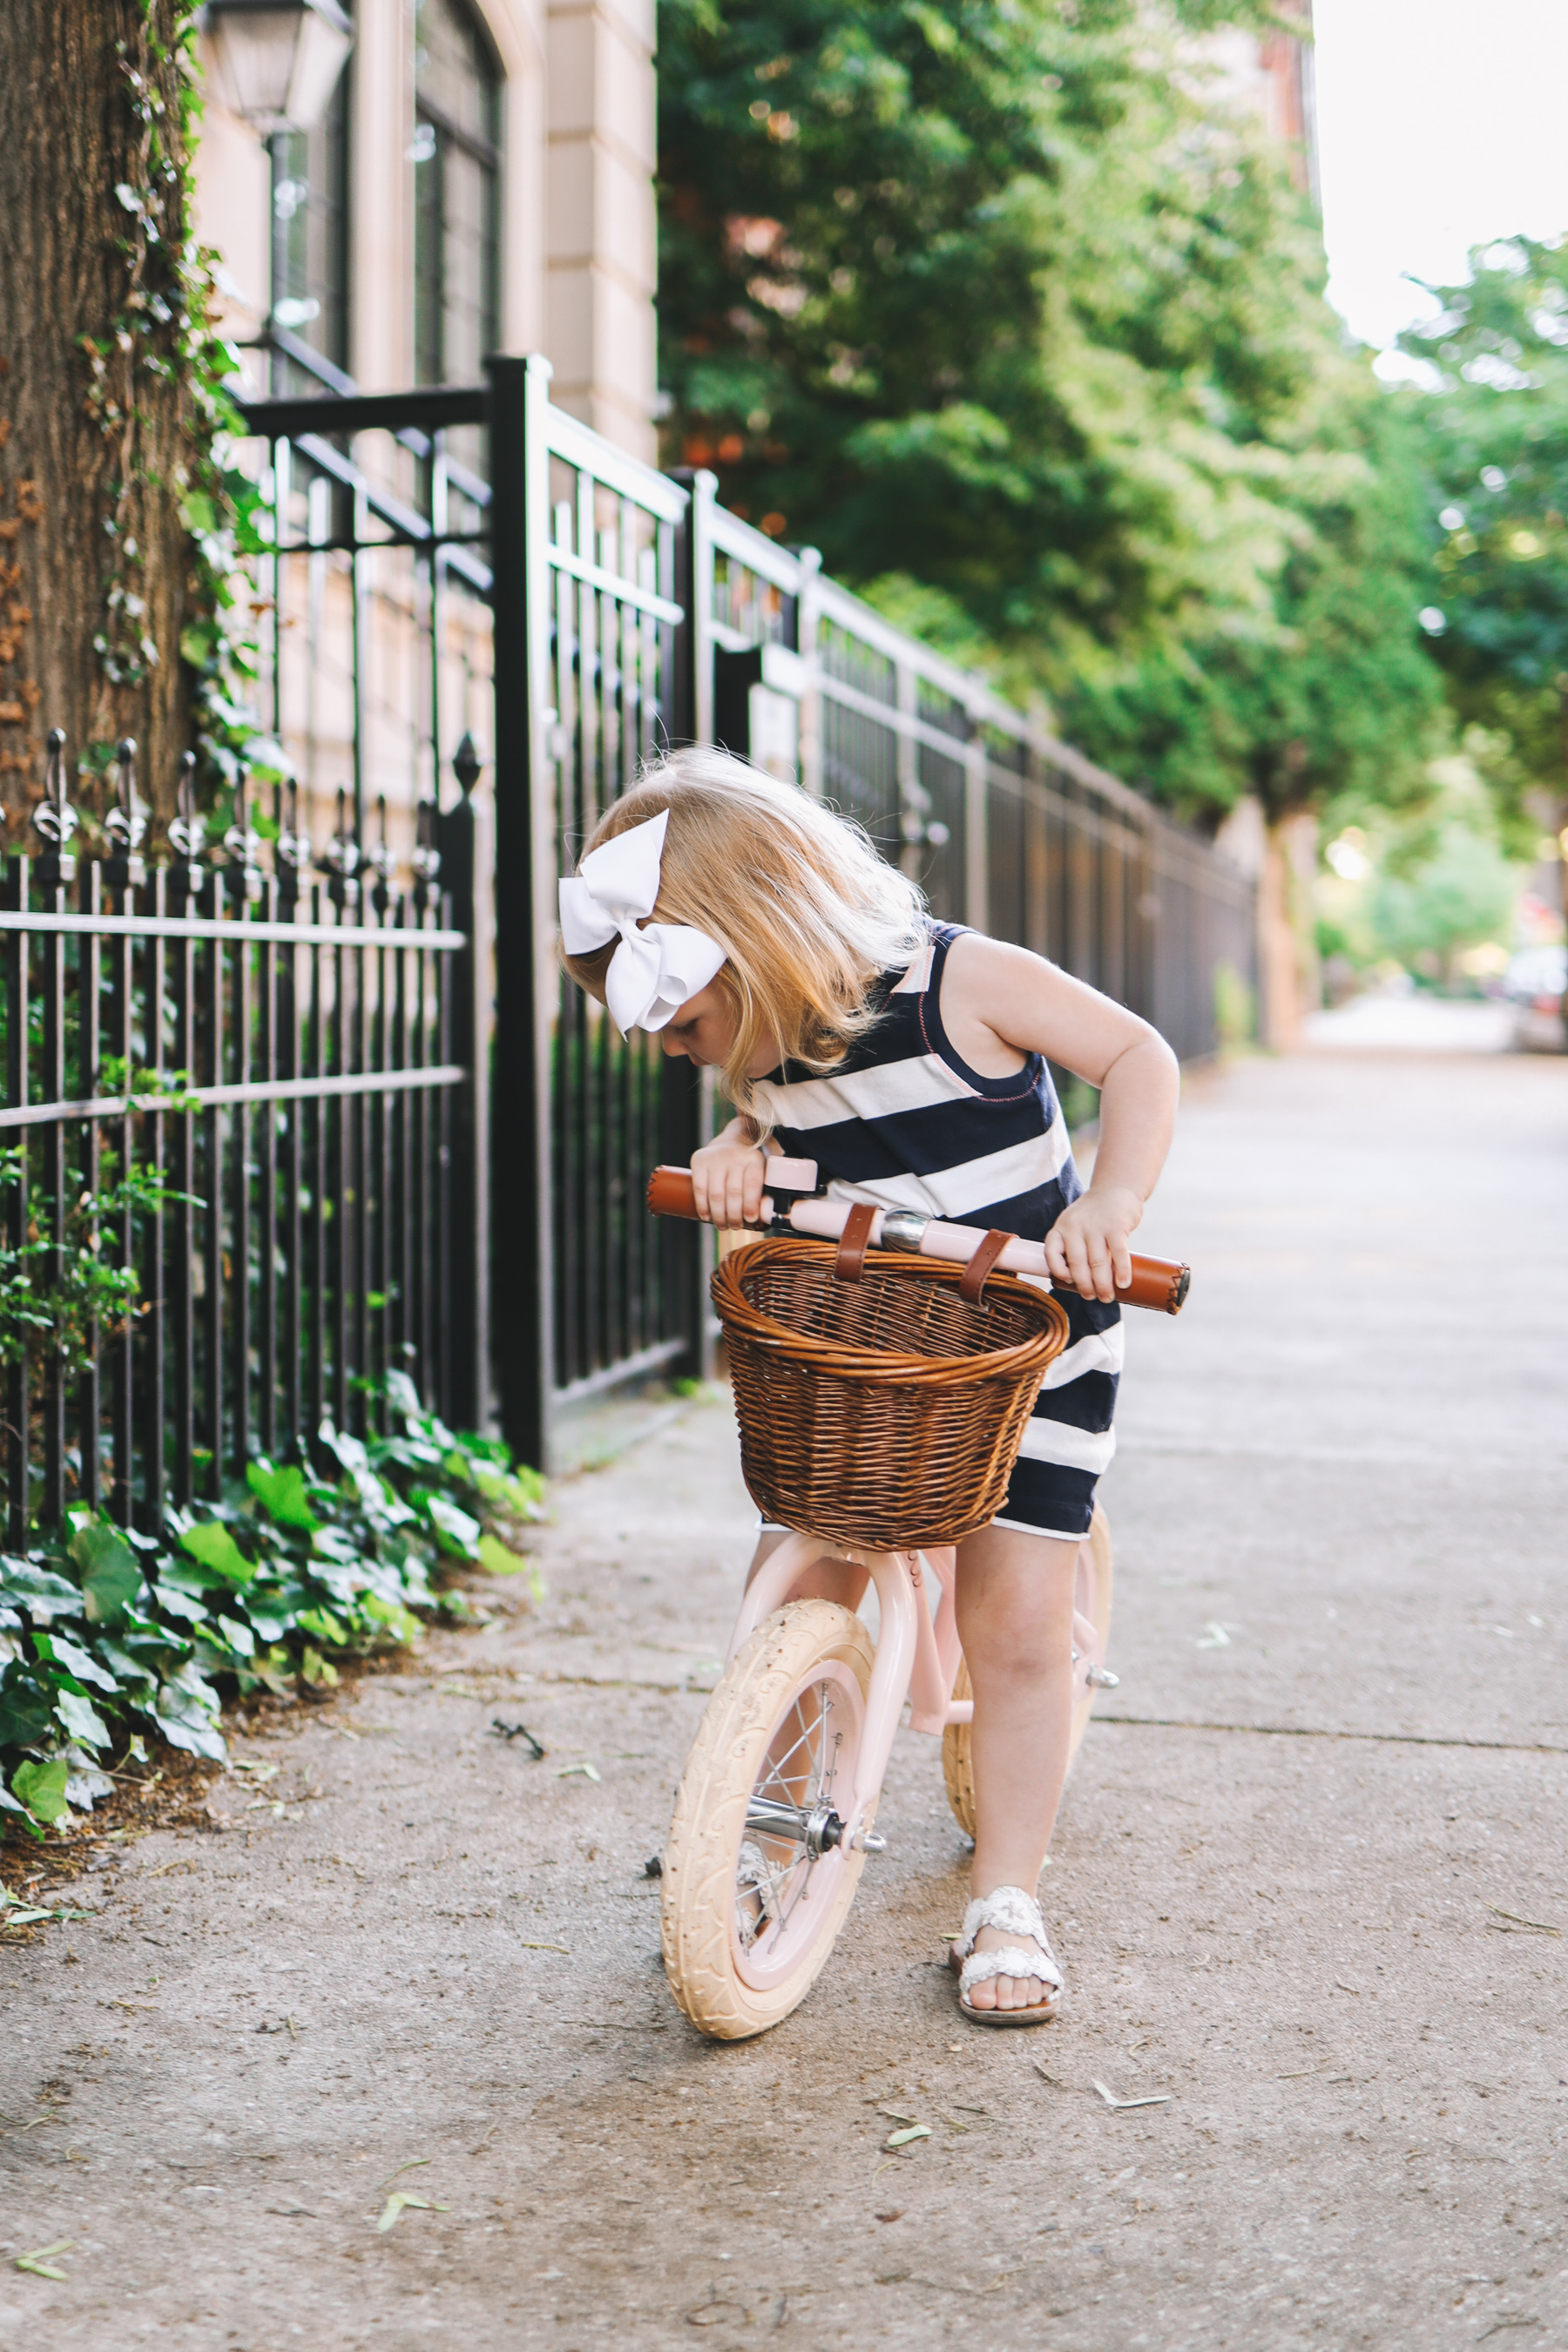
(886, 1412)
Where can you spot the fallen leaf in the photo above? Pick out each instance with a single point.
(397, 2202)
(894, 2213)
(1159, 2099)
(1213, 1637)
(566, 1770)
(37, 2261)
(893, 2116)
(1540, 1926)
(1345, 1987)
(415, 2164)
(528, 1946)
(904, 2138)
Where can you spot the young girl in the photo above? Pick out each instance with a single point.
(908, 1058)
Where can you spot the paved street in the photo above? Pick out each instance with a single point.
(1308, 1883)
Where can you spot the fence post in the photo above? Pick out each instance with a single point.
(465, 875)
(527, 987)
(691, 712)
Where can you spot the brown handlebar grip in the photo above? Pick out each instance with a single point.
(1162, 1282)
(672, 1193)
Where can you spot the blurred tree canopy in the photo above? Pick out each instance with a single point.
(984, 298)
(1494, 443)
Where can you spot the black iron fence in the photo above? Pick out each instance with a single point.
(282, 1086)
(241, 1180)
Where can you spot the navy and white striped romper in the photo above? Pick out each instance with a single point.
(904, 1123)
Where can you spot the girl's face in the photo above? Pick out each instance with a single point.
(704, 1031)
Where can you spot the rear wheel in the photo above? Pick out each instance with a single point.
(1090, 1640)
(758, 1873)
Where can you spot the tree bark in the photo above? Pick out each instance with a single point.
(94, 557)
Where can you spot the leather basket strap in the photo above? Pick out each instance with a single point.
(981, 1263)
(851, 1263)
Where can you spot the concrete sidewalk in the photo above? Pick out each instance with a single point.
(1328, 1794)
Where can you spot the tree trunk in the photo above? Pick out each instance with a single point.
(95, 562)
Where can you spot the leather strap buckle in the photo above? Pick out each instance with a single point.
(851, 1263)
(982, 1263)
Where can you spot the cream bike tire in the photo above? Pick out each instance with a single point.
(758, 1876)
(1091, 1608)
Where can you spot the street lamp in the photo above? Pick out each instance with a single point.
(277, 62)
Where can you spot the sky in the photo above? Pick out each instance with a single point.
(1440, 126)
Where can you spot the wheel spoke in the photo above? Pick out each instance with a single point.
(784, 1881)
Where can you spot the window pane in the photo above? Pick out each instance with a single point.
(454, 70)
(457, 195)
(310, 292)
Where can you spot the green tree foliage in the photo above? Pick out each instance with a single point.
(1495, 436)
(978, 297)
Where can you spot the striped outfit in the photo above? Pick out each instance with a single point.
(903, 1123)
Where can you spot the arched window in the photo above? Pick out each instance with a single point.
(457, 180)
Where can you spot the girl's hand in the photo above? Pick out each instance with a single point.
(729, 1178)
(1089, 1244)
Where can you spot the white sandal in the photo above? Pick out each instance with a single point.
(1015, 1914)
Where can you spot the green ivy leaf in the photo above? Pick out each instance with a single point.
(42, 1788)
(81, 1720)
(498, 1559)
(187, 1720)
(239, 1636)
(323, 1624)
(400, 1623)
(25, 1707)
(455, 1530)
(111, 1575)
(211, 1543)
(178, 1602)
(37, 1589)
(281, 1494)
(74, 1659)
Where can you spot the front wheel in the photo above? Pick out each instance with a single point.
(1090, 1640)
(756, 1878)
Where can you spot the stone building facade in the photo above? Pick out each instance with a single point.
(483, 180)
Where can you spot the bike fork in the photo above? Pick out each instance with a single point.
(912, 1661)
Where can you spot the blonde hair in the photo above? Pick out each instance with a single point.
(808, 913)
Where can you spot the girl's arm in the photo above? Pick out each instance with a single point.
(1000, 1002)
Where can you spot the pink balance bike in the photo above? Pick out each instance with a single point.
(862, 1436)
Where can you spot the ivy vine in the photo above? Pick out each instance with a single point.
(163, 333)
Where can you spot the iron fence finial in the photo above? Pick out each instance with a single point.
(242, 842)
(186, 830)
(344, 858)
(125, 823)
(466, 764)
(54, 819)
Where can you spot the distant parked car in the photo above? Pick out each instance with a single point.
(1536, 984)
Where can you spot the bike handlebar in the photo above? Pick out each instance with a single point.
(1159, 1283)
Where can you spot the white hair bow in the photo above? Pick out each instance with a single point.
(655, 970)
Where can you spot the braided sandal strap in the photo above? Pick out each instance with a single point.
(1011, 1961)
(1010, 1908)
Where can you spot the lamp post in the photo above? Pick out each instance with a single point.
(276, 62)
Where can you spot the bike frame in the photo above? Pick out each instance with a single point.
(918, 1655)
(916, 1659)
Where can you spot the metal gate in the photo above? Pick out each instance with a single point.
(620, 610)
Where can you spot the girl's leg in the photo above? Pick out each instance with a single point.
(1014, 1602)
